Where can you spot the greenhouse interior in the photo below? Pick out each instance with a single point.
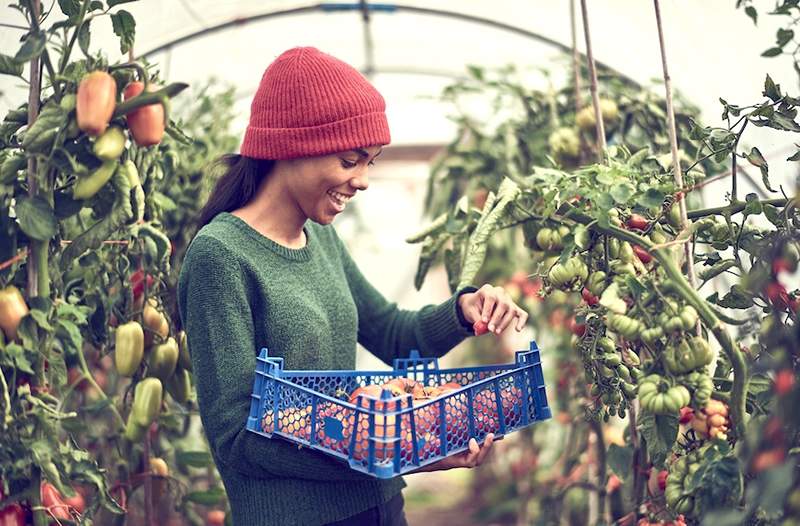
(570, 296)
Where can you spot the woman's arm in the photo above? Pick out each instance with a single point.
(215, 310)
(389, 332)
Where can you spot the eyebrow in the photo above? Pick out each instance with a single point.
(363, 153)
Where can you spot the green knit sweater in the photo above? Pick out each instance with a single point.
(240, 291)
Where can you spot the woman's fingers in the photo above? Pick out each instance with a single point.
(522, 319)
(508, 317)
(487, 446)
(488, 301)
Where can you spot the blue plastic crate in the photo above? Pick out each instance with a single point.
(390, 435)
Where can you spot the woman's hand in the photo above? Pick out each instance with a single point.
(472, 457)
(493, 306)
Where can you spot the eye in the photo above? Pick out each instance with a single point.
(348, 164)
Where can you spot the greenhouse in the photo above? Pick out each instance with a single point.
(570, 296)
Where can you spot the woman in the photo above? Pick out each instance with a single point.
(267, 270)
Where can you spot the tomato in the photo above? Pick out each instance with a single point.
(784, 381)
(638, 222)
(768, 459)
(154, 322)
(138, 283)
(12, 309)
(215, 518)
(78, 502)
(687, 414)
(590, 299)
(777, 295)
(480, 327)
(643, 255)
(96, 100)
(158, 467)
(12, 515)
(146, 124)
(110, 145)
(88, 185)
(163, 359)
(129, 348)
(54, 502)
(147, 398)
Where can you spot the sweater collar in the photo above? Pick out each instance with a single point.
(293, 254)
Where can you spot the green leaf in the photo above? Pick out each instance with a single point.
(753, 206)
(660, 432)
(41, 319)
(622, 192)
(751, 12)
(8, 66)
(773, 213)
(196, 459)
(19, 357)
(125, 28)
(736, 298)
(36, 218)
(32, 47)
(84, 36)
(70, 336)
(780, 122)
(605, 201)
(794, 157)
(772, 52)
(718, 483)
(70, 7)
(651, 198)
(756, 159)
(620, 460)
(208, 498)
(784, 36)
(716, 269)
(771, 90)
(635, 286)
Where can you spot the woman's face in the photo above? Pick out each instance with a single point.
(322, 186)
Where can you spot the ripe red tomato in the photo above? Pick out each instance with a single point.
(638, 222)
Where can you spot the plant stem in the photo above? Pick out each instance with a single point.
(673, 140)
(68, 50)
(152, 97)
(733, 208)
(598, 115)
(600, 446)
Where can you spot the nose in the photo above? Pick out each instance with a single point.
(360, 182)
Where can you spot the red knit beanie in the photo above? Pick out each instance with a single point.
(310, 103)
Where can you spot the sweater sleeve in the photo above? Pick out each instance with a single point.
(215, 309)
(389, 332)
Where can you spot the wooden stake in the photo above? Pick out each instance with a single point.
(576, 57)
(598, 115)
(673, 140)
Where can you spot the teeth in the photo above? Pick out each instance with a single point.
(340, 198)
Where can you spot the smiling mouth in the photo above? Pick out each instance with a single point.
(339, 199)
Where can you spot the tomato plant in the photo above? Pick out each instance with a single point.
(95, 378)
(679, 365)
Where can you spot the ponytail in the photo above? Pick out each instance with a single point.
(237, 186)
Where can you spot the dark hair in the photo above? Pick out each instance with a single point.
(237, 185)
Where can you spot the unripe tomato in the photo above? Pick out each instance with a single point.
(159, 467)
(146, 123)
(97, 98)
(12, 309)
